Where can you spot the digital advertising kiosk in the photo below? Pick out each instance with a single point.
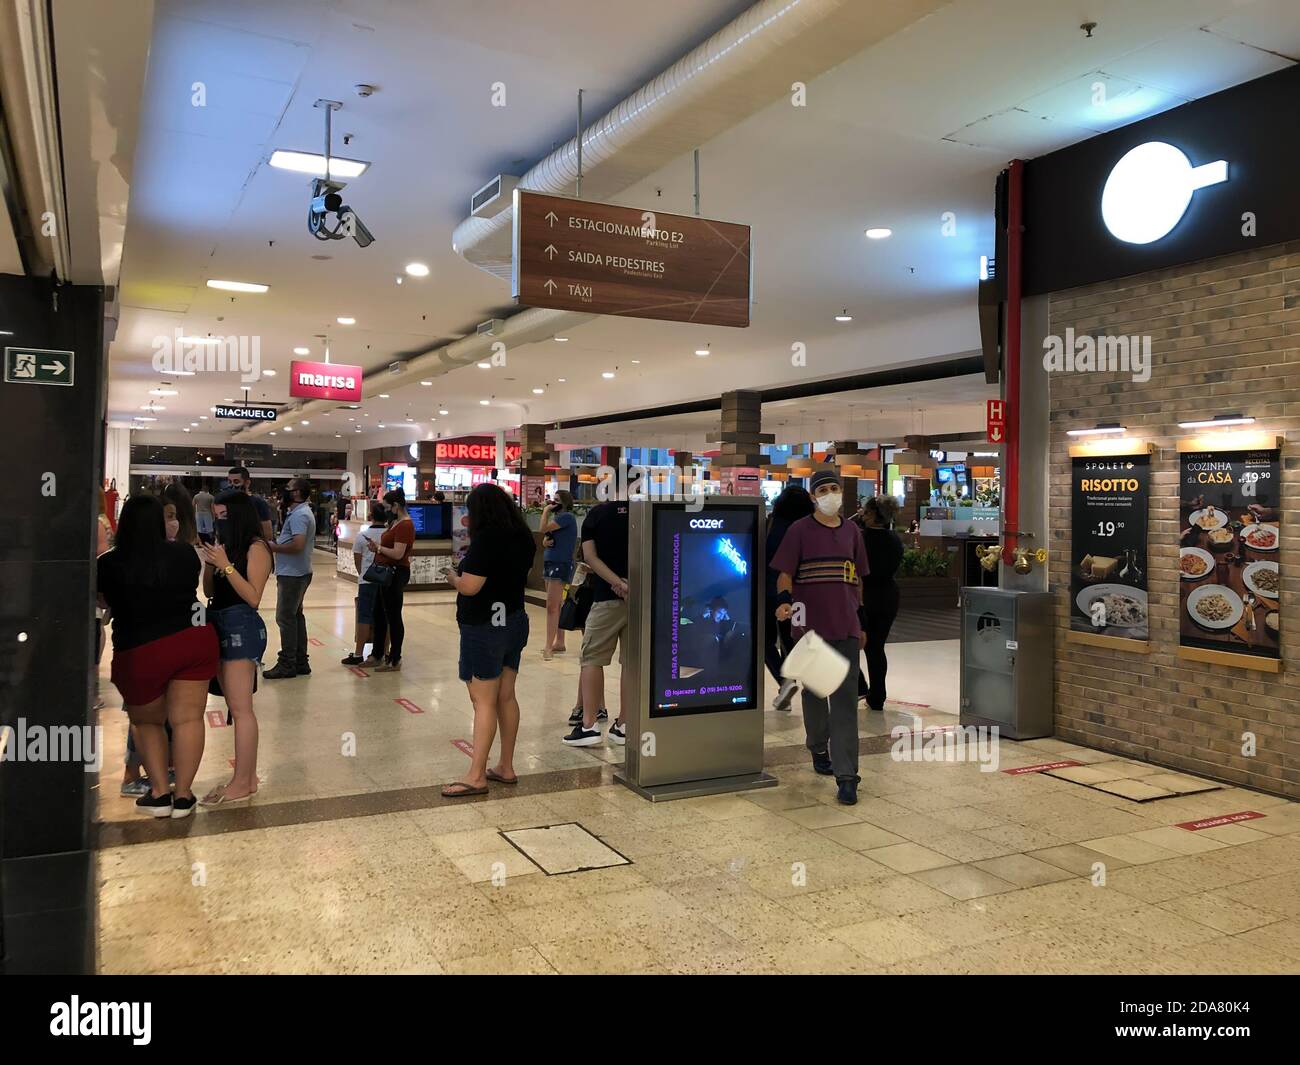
(696, 613)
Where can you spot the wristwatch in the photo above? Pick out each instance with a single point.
(228, 569)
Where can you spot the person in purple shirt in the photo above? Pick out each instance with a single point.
(821, 563)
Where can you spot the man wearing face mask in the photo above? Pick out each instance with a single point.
(292, 551)
(821, 563)
(240, 481)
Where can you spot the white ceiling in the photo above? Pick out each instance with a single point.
(913, 127)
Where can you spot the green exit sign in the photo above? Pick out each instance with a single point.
(38, 366)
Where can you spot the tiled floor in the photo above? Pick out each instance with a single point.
(941, 867)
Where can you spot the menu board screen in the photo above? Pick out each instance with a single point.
(1230, 514)
(1108, 564)
(703, 616)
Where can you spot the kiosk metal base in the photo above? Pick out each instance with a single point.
(691, 789)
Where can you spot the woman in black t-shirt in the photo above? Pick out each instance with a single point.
(493, 629)
(164, 650)
(879, 593)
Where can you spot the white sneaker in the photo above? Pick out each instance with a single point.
(617, 733)
(785, 696)
(582, 737)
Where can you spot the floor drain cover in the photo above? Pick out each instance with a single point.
(566, 848)
(1133, 780)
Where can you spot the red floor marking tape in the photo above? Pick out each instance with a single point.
(464, 746)
(216, 719)
(1040, 768)
(358, 671)
(314, 642)
(408, 706)
(1224, 819)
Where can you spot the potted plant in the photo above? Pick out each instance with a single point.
(925, 578)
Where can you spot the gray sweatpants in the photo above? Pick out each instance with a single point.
(834, 721)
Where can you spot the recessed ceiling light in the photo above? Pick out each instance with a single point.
(607, 375)
(338, 436)
(636, 362)
(194, 423)
(302, 351)
(306, 422)
(482, 402)
(485, 366)
(203, 417)
(879, 233)
(702, 352)
(184, 430)
(314, 163)
(268, 373)
(238, 286)
(538, 391)
(844, 316)
(163, 392)
(383, 395)
(273, 432)
(417, 269)
(444, 412)
(382, 425)
(351, 419)
(563, 380)
(409, 418)
(346, 321)
(426, 383)
(561, 340)
(288, 428)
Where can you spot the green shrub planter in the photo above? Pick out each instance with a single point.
(925, 579)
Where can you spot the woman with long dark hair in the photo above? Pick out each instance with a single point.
(178, 507)
(793, 503)
(879, 593)
(164, 649)
(394, 549)
(493, 630)
(235, 571)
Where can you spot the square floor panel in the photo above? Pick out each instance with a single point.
(566, 848)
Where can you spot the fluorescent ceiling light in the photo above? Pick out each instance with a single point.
(288, 428)
(444, 412)
(417, 269)
(203, 417)
(1097, 430)
(1214, 423)
(844, 316)
(701, 352)
(268, 373)
(305, 422)
(561, 340)
(163, 392)
(346, 321)
(607, 375)
(381, 425)
(142, 418)
(302, 351)
(485, 366)
(314, 163)
(184, 430)
(238, 286)
(426, 383)
(482, 402)
(879, 233)
(538, 391)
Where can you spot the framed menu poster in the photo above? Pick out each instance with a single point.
(1230, 517)
(1109, 499)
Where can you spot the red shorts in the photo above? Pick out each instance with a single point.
(142, 673)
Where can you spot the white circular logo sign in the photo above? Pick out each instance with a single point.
(1149, 189)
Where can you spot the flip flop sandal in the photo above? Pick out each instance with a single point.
(222, 800)
(466, 791)
(492, 774)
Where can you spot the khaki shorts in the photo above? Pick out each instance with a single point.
(606, 626)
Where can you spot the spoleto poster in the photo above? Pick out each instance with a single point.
(1230, 517)
(1108, 556)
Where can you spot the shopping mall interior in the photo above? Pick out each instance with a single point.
(1017, 279)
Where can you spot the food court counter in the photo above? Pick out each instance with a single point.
(430, 559)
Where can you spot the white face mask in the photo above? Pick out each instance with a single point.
(829, 504)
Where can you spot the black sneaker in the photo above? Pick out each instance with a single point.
(822, 763)
(352, 660)
(304, 671)
(183, 807)
(582, 737)
(617, 733)
(847, 795)
(279, 673)
(155, 807)
(602, 715)
(575, 718)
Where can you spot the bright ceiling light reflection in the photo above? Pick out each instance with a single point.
(417, 269)
(314, 163)
(239, 286)
(346, 321)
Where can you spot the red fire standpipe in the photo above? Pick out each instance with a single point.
(1011, 399)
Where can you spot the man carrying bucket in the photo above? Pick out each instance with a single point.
(820, 564)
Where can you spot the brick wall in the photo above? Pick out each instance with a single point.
(1225, 337)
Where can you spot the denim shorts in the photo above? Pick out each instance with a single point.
(558, 571)
(241, 632)
(367, 597)
(485, 650)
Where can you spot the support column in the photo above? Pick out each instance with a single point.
(533, 454)
(741, 441)
(1034, 452)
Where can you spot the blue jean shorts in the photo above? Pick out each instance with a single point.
(367, 597)
(240, 631)
(558, 571)
(485, 650)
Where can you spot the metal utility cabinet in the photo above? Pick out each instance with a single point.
(1007, 661)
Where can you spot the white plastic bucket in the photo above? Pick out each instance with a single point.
(816, 665)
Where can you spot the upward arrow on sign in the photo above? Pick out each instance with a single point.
(552, 217)
(550, 251)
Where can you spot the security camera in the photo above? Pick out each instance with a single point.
(325, 201)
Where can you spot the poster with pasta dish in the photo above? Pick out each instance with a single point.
(1230, 522)
(1108, 554)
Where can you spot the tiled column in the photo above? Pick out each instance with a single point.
(740, 437)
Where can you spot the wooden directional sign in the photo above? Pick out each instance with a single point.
(575, 255)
